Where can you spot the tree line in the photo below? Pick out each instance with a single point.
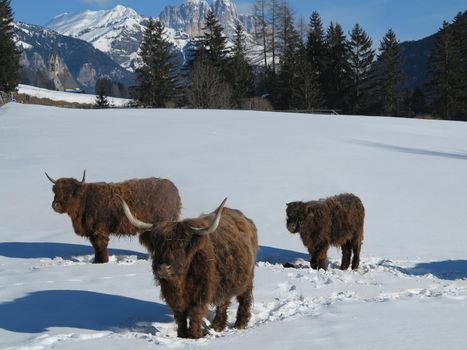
(303, 66)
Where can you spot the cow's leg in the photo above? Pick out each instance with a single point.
(220, 320)
(346, 254)
(313, 262)
(196, 314)
(244, 308)
(321, 255)
(100, 241)
(182, 324)
(356, 246)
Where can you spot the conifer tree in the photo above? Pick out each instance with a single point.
(156, 81)
(447, 72)
(307, 94)
(337, 69)
(240, 72)
(361, 59)
(441, 74)
(316, 47)
(101, 90)
(214, 42)
(459, 29)
(388, 76)
(9, 57)
(288, 44)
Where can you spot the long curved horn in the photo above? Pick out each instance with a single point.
(213, 226)
(51, 180)
(134, 221)
(84, 176)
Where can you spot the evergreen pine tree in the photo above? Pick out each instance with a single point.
(315, 48)
(240, 72)
(9, 57)
(101, 93)
(307, 94)
(441, 74)
(156, 81)
(337, 69)
(361, 59)
(288, 44)
(214, 42)
(459, 30)
(388, 76)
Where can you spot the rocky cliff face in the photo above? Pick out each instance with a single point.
(59, 62)
(189, 16)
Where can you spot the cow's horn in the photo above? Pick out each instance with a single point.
(51, 180)
(213, 226)
(84, 176)
(134, 221)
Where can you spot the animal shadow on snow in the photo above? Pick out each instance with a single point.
(280, 256)
(447, 270)
(410, 150)
(38, 311)
(37, 250)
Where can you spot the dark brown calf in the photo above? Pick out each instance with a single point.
(336, 221)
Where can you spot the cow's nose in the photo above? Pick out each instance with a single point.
(56, 206)
(165, 271)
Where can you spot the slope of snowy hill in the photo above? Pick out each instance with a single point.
(409, 293)
(68, 96)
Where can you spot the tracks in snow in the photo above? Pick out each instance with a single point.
(280, 294)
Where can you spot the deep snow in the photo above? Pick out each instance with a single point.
(410, 292)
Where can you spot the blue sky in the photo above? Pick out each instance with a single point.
(410, 19)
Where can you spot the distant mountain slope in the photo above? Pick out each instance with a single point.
(117, 32)
(55, 61)
(415, 56)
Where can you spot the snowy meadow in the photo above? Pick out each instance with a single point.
(409, 293)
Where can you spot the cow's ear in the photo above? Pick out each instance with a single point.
(146, 240)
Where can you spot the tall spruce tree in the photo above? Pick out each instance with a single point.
(337, 69)
(459, 29)
(209, 69)
(288, 43)
(441, 74)
(215, 42)
(361, 59)
(388, 76)
(315, 48)
(9, 57)
(101, 90)
(240, 72)
(156, 81)
(307, 94)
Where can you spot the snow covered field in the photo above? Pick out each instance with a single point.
(68, 96)
(409, 293)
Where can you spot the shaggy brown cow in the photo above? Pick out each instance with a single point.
(202, 261)
(95, 212)
(336, 221)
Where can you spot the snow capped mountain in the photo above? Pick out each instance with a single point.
(189, 16)
(55, 61)
(117, 32)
